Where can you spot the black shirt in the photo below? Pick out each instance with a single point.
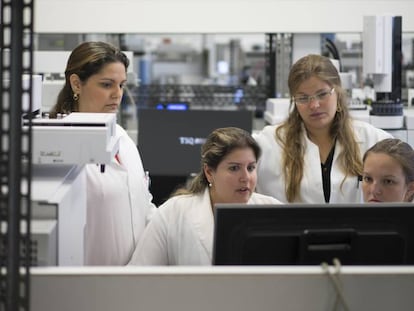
(326, 175)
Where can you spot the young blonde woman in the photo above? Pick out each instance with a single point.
(315, 156)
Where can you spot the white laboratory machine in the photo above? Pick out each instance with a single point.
(58, 204)
(50, 92)
(78, 138)
(60, 149)
(277, 110)
(409, 124)
(382, 59)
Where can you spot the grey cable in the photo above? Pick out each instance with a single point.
(335, 279)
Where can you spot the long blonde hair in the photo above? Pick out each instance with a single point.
(290, 133)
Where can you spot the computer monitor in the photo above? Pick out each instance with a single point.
(170, 141)
(359, 234)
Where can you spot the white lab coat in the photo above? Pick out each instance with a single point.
(181, 232)
(270, 172)
(118, 206)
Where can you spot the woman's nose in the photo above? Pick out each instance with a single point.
(376, 188)
(245, 175)
(118, 92)
(313, 103)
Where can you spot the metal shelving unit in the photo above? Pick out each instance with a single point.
(278, 60)
(15, 150)
(201, 96)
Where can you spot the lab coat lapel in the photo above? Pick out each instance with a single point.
(311, 187)
(204, 221)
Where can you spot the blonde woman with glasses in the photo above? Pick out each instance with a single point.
(315, 155)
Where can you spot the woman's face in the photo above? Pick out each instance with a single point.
(235, 178)
(383, 180)
(316, 114)
(103, 91)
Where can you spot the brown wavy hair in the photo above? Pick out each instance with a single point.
(86, 59)
(217, 146)
(290, 133)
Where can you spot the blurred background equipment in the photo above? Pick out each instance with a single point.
(382, 58)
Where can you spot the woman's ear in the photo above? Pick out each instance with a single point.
(75, 83)
(409, 196)
(208, 173)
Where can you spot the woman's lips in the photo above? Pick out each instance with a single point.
(374, 201)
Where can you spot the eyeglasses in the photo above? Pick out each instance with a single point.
(305, 99)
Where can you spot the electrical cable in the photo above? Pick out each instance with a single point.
(335, 53)
(335, 279)
(333, 46)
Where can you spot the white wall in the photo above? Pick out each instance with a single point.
(213, 16)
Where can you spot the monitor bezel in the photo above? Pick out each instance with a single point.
(232, 219)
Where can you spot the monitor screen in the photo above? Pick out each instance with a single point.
(297, 234)
(170, 140)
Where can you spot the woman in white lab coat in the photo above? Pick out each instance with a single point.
(118, 200)
(315, 155)
(388, 172)
(181, 232)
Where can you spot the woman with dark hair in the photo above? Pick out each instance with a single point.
(181, 232)
(315, 155)
(388, 172)
(85, 62)
(118, 201)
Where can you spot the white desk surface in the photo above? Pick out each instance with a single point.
(220, 288)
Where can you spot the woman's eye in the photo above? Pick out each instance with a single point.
(106, 85)
(303, 99)
(251, 168)
(232, 168)
(322, 95)
(388, 182)
(366, 179)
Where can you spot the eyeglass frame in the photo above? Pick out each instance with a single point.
(314, 97)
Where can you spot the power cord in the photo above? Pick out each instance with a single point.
(334, 277)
